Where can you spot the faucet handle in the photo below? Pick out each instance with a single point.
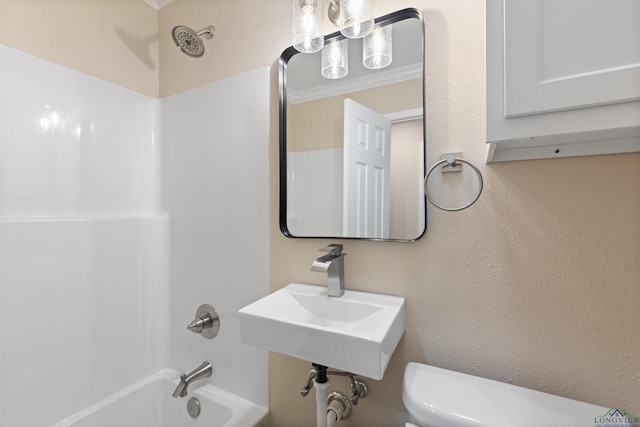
(334, 249)
(206, 323)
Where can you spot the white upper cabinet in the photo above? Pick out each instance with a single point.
(563, 78)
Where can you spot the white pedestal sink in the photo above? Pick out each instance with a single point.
(357, 332)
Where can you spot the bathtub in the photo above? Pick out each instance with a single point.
(149, 403)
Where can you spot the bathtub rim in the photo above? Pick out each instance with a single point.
(242, 409)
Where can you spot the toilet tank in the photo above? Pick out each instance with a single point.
(437, 397)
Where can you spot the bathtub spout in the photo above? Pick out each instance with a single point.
(203, 371)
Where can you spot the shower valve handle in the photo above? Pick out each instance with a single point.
(206, 323)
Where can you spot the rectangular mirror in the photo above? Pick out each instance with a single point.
(352, 149)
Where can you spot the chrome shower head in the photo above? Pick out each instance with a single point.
(189, 42)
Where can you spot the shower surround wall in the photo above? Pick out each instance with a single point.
(86, 306)
(214, 169)
(82, 242)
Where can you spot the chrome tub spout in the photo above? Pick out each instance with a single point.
(203, 371)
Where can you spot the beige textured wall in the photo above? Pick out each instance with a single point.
(249, 34)
(115, 40)
(536, 284)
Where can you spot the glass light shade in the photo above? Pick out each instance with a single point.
(357, 18)
(335, 59)
(377, 48)
(307, 26)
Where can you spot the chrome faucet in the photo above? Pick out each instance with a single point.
(203, 371)
(333, 265)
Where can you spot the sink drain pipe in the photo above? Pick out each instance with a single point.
(339, 407)
(335, 406)
(322, 385)
(333, 415)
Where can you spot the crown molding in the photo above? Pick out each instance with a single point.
(368, 81)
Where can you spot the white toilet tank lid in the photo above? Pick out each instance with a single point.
(439, 397)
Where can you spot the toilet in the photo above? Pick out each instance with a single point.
(438, 397)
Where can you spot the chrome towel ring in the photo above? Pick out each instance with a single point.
(451, 161)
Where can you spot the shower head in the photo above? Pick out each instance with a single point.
(189, 42)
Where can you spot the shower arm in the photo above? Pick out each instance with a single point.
(208, 32)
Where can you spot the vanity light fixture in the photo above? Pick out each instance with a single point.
(377, 48)
(307, 26)
(335, 59)
(356, 18)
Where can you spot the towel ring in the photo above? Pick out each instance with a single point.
(451, 162)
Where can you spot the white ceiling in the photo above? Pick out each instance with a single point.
(158, 4)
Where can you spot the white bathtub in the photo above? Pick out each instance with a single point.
(149, 403)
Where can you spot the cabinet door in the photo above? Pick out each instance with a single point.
(569, 54)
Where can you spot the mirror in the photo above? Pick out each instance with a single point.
(352, 149)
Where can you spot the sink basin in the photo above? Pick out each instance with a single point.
(357, 332)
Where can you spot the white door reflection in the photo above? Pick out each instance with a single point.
(367, 163)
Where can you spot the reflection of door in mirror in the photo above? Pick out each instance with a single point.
(367, 164)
